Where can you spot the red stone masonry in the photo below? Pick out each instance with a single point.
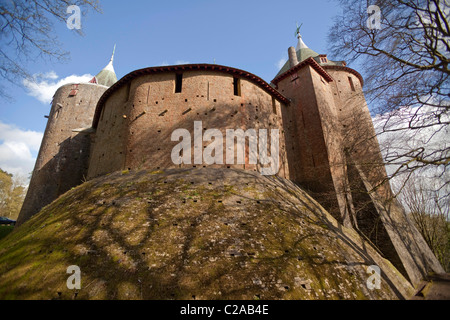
(136, 117)
(188, 67)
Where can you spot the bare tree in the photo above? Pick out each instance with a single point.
(430, 214)
(27, 34)
(406, 64)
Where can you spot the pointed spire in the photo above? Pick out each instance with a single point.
(110, 66)
(112, 57)
(107, 77)
(299, 54)
(300, 44)
(303, 51)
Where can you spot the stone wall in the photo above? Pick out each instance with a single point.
(63, 157)
(137, 121)
(378, 215)
(313, 139)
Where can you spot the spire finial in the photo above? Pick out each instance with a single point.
(297, 31)
(114, 50)
(300, 43)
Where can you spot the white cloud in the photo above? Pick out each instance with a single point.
(50, 75)
(280, 63)
(18, 149)
(44, 86)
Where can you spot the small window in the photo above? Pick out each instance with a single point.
(350, 80)
(237, 86)
(178, 82)
(323, 59)
(56, 113)
(127, 93)
(274, 106)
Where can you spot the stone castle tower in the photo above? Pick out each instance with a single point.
(327, 143)
(63, 157)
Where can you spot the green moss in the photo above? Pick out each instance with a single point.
(174, 249)
(5, 230)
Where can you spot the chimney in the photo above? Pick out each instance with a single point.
(293, 61)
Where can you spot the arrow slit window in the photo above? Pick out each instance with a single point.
(237, 86)
(178, 82)
(351, 83)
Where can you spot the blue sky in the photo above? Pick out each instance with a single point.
(246, 34)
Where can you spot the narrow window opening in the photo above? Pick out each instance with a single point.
(351, 83)
(178, 82)
(56, 113)
(128, 92)
(274, 106)
(323, 58)
(237, 86)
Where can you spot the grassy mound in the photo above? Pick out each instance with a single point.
(190, 234)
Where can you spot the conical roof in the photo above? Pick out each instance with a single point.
(303, 53)
(107, 76)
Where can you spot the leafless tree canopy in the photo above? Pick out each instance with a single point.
(27, 33)
(405, 63)
(430, 214)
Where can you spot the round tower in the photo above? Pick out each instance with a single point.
(137, 119)
(63, 157)
(333, 151)
(377, 213)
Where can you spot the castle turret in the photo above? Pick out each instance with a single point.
(314, 155)
(107, 76)
(333, 152)
(63, 157)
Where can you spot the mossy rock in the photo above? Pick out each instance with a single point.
(190, 233)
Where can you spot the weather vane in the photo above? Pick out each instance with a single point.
(297, 31)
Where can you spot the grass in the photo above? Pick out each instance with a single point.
(5, 230)
(130, 248)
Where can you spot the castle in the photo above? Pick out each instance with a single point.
(327, 142)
